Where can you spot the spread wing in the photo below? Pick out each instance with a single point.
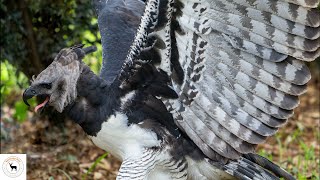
(236, 65)
(118, 22)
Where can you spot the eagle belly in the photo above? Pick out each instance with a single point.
(123, 140)
(144, 156)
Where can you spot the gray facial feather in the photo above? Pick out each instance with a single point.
(63, 74)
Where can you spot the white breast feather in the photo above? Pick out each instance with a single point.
(122, 140)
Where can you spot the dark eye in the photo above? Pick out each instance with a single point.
(46, 85)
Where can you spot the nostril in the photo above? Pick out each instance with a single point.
(33, 91)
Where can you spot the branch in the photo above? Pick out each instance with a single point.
(30, 36)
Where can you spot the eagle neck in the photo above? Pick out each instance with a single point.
(95, 103)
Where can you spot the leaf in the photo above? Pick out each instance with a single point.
(93, 166)
(21, 111)
(4, 72)
(89, 36)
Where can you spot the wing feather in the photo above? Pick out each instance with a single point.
(265, 17)
(206, 134)
(118, 22)
(250, 76)
(242, 104)
(305, 3)
(285, 10)
(237, 66)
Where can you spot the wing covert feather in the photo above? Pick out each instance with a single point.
(251, 71)
(237, 66)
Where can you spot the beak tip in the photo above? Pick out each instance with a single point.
(25, 97)
(27, 103)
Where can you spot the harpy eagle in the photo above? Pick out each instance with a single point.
(188, 88)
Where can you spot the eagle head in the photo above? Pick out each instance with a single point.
(57, 84)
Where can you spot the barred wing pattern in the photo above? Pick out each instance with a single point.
(237, 65)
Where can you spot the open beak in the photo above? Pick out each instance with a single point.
(29, 93)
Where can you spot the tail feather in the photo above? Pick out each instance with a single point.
(256, 168)
(253, 166)
(267, 164)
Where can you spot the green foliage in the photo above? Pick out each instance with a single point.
(11, 79)
(20, 111)
(11, 86)
(93, 166)
(301, 165)
(34, 30)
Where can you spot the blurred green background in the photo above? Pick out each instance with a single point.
(34, 31)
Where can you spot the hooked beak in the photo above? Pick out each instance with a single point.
(28, 94)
